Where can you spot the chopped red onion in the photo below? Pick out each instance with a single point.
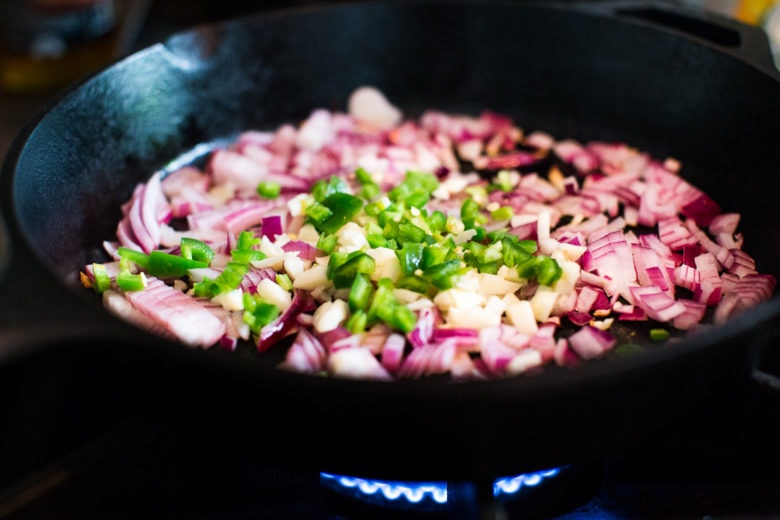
(591, 343)
(655, 246)
(271, 226)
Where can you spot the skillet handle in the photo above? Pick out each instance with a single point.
(767, 374)
(767, 380)
(5, 248)
(744, 42)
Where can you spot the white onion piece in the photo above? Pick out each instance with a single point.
(369, 106)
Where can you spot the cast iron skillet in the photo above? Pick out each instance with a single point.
(697, 88)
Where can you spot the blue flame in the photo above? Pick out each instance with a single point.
(417, 492)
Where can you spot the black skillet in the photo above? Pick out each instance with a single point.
(669, 81)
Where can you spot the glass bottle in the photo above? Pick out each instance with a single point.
(46, 44)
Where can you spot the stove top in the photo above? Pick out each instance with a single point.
(721, 462)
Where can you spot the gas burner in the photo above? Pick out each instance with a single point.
(537, 494)
(419, 493)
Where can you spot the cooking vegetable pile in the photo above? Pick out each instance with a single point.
(364, 244)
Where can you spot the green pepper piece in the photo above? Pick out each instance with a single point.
(269, 190)
(102, 280)
(128, 281)
(322, 189)
(258, 313)
(408, 232)
(410, 257)
(417, 198)
(357, 322)
(414, 283)
(422, 180)
(488, 267)
(377, 240)
(342, 206)
(360, 293)
(659, 334)
(194, 249)
(327, 243)
(437, 221)
(444, 275)
(230, 278)
(284, 281)
(373, 209)
(470, 210)
(399, 317)
(391, 214)
(385, 307)
(166, 265)
(363, 176)
(516, 252)
(527, 269)
(369, 189)
(435, 254)
(246, 240)
(245, 256)
(138, 258)
(357, 263)
(548, 271)
(502, 213)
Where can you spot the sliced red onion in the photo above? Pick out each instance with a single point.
(710, 284)
(591, 343)
(525, 361)
(543, 340)
(393, 352)
(577, 155)
(721, 254)
(137, 224)
(539, 140)
(428, 360)
(463, 368)
(282, 325)
(186, 318)
(506, 161)
(306, 354)
(248, 217)
(724, 223)
(625, 274)
(254, 276)
(271, 226)
(422, 333)
(463, 337)
(701, 208)
(632, 313)
(229, 343)
(356, 363)
(586, 298)
(613, 259)
(563, 355)
(691, 316)
(496, 356)
(305, 250)
(579, 318)
(185, 179)
(673, 233)
(657, 303)
(687, 277)
(337, 338)
(125, 235)
(374, 338)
